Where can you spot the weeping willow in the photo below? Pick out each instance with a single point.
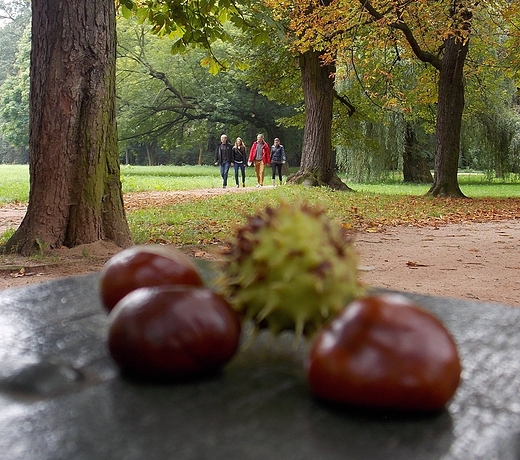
(371, 151)
(491, 143)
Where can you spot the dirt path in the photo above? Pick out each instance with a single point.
(466, 261)
(472, 260)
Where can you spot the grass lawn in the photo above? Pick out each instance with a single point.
(213, 219)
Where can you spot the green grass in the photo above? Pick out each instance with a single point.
(161, 178)
(14, 179)
(473, 185)
(214, 219)
(14, 184)
(471, 190)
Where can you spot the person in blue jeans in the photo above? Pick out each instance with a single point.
(239, 158)
(224, 158)
(277, 159)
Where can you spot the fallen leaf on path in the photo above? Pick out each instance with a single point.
(18, 274)
(366, 268)
(23, 273)
(415, 264)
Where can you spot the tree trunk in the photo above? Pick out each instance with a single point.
(75, 189)
(449, 119)
(415, 165)
(317, 166)
(149, 155)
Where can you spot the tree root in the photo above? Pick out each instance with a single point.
(310, 178)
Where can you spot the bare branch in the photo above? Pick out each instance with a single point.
(399, 24)
(344, 100)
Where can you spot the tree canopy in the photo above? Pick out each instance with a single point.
(14, 97)
(436, 33)
(172, 101)
(375, 70)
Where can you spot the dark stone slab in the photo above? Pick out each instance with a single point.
(61, 396)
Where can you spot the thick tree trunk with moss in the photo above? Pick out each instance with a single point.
(317, 167)
(449, 120)
(75, 189)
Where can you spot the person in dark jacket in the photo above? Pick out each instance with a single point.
(239, 159)
(224, 158)
(277, 159)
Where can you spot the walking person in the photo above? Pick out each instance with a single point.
(277, 159)
(259, 155)
(239, 158)
(224, 158)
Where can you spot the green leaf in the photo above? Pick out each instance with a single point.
(127, 12)
(214, 68)
(242, 65)
(176, 33)
(142, 14)
(128, 4)
(178, 47)
(261, 38)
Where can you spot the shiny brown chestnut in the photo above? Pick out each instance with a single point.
(145, 266)
(384, 351)
(173, 332)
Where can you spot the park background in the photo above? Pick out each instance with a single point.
(172, 108)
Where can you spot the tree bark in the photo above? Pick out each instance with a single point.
(415, 165)
(75, 189)
(449, 119)
(317, 165)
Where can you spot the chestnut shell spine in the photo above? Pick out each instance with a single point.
(290, 268)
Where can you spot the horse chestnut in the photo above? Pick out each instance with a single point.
(145, 266)
(384, 351)
(173, 332)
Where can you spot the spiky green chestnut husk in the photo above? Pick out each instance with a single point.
(290, 268)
